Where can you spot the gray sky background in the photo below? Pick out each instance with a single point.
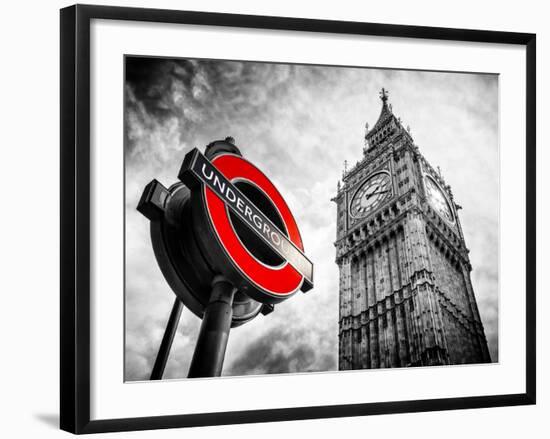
(298, 124)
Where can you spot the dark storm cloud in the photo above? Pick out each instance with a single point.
(284, 351)
(298, 123)
(194, 93)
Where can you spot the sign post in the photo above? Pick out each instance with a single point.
(167, 340)
(214, 333)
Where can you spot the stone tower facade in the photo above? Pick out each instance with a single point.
(406, 298)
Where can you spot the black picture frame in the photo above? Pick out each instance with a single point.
(75, 217)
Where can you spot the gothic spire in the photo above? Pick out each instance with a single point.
(386, 126)
(386, 118)
(386, 112)
(384, 95)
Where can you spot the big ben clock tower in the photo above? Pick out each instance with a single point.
(406, 297)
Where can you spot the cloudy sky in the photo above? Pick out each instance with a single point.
(298, 124)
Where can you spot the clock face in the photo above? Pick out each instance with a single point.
(371, 194)
(438, 199)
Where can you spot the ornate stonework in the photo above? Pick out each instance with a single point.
(406, 298)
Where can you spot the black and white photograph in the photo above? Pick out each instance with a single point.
(293, 218)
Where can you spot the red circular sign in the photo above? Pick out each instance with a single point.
(280, 281)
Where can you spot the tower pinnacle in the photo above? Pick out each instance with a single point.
(384, 95)
(384, 126)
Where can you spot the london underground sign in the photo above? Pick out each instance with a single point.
(220, 197)
(227, 244)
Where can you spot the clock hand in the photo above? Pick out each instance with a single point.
(379, 192)
(376, 192)
(367, 196)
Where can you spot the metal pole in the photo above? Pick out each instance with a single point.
(210, 349)
(167, 339)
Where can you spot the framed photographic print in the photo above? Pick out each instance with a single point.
(267, 218)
